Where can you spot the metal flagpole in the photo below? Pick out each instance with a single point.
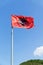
(12, 50)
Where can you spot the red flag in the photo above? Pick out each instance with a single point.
(22, 21)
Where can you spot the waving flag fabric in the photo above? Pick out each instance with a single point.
(22, 21)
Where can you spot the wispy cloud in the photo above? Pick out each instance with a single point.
(38, 51)
(38, 2)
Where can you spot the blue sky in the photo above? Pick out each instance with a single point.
(25, 41)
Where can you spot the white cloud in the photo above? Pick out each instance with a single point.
(38, 51)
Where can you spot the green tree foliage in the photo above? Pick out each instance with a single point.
(33, 62)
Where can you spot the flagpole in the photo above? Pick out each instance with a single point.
(12, 50)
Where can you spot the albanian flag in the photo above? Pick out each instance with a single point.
(22, 21)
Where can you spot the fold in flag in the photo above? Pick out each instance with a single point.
(22, 21)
